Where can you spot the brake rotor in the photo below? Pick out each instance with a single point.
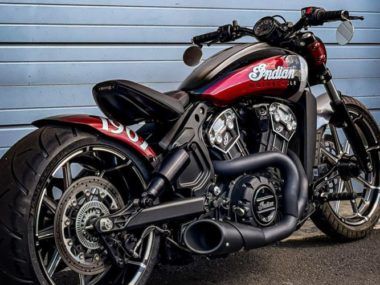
(77, 241)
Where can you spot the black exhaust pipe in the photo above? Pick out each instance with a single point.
(211, 237)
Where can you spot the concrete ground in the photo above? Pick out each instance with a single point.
(308, 257)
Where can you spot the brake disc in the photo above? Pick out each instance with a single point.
(77, 241)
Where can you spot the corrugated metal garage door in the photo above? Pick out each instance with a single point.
(53, 52)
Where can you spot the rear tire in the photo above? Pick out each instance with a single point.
(25, 169)
(325, 218)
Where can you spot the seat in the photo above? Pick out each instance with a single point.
(179, 95)
(128, 102)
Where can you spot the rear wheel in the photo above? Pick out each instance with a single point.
(56, 182)
(349, 219)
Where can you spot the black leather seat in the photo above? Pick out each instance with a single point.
(128, 102)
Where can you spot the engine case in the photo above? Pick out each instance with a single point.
(254, 200)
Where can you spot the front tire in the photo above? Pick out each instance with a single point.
(329, 217)
(28, 171)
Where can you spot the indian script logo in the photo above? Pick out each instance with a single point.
(261, 72)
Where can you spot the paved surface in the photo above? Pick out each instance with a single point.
(299, 260)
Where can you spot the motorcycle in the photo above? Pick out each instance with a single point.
(238, 158)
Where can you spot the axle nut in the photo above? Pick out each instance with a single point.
(106, 225)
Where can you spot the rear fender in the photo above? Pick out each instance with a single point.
(108, 128)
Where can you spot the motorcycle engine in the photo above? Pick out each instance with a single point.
(267, 127)
(272, 126)
(253, 198)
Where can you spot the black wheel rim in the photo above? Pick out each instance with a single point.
(106, 163)
(333, 146)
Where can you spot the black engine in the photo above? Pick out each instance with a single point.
(253, 198)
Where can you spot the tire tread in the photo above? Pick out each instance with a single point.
(20, 170)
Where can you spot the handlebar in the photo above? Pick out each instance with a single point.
(311, 16)
(208, 37)
(329, 16)
(315, 16)
(224, 34)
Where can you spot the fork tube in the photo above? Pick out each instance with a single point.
(345, 121)
(332, 91)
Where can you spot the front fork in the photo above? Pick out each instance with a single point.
(345, 121)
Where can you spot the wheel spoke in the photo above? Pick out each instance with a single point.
(82, 279)
(57, 182)
(330, 157)
(46, 233)
(118, 167)
(357, 118)
(353, 203)
(136, 263)
(50, 203)
(348, 186)
(347, 147)
(67, 177)
(334, 133)
(366, 183)
(340, 190)
(87, 280)
(372, 148)
(354, 206)
(53, 264)
(363, 217)
(89, 162)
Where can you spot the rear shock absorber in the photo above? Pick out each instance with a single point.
(169, 169)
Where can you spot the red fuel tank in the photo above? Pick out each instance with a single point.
(284, 76)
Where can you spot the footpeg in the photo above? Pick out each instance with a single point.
(338, 196)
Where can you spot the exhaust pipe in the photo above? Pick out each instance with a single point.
(211, 237)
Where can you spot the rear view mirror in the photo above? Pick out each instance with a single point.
(192, 55)
(344, 33)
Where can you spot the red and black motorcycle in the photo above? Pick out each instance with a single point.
(238, 158)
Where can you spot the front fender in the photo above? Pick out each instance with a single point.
(324, 110)
(107, 127)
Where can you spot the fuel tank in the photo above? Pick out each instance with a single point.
(249, 70)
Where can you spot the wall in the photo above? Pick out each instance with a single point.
(53, 52)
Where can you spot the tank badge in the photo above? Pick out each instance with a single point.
(261, 72)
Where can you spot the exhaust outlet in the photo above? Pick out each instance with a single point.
(209, 237)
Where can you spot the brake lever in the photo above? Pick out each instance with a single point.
(361, 18)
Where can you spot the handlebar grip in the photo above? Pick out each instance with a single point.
(328, 16)
(206, 37)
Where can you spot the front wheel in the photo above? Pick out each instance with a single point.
(55, 183)
(349, 219)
